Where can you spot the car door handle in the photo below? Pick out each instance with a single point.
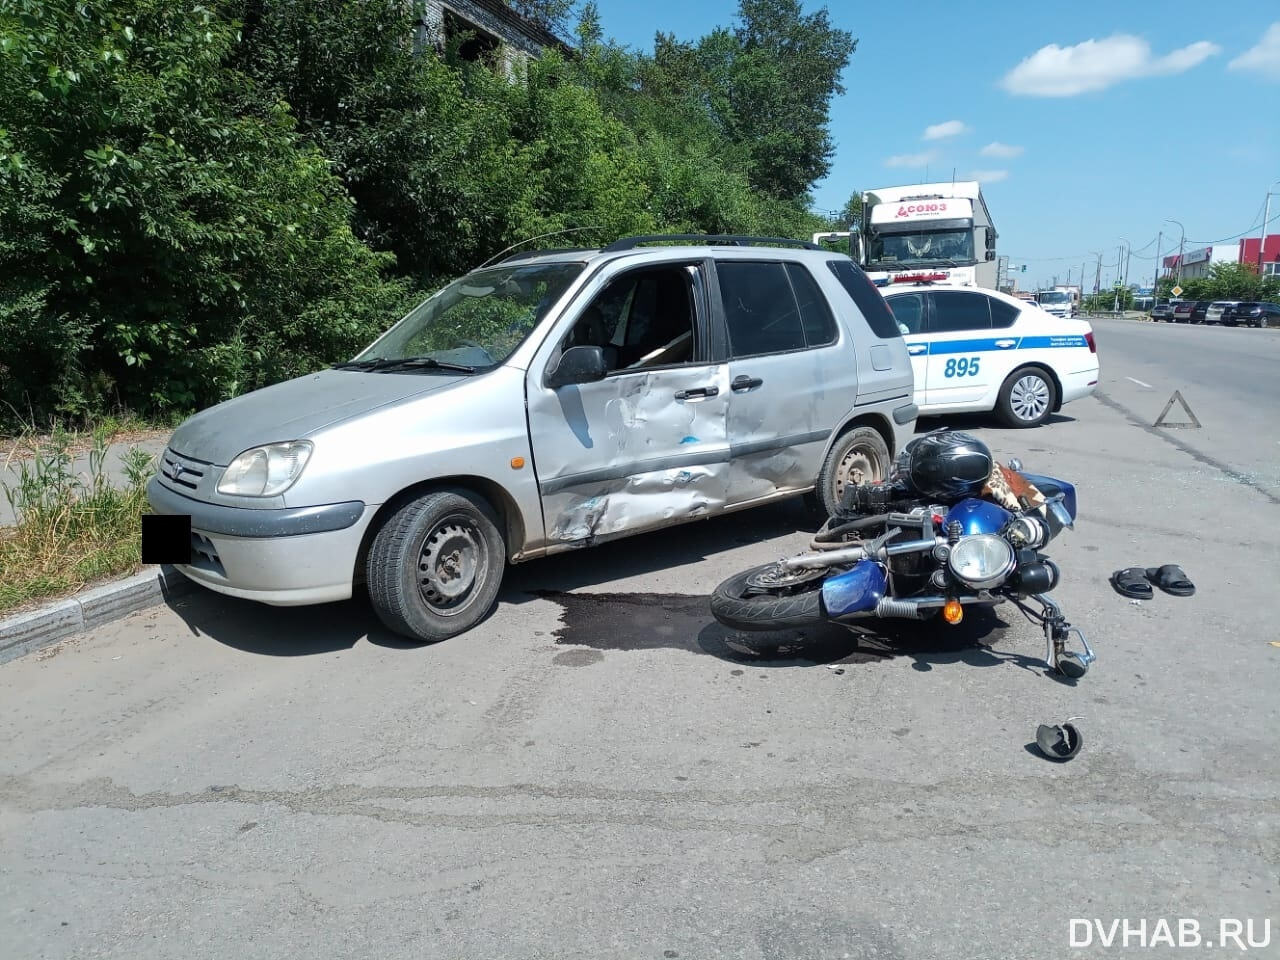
(1006, 344)
(916, 348)
(697, 393)
(746, 383)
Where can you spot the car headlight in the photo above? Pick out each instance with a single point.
(981, 561)
(267, 470)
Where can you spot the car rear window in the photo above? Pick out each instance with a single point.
(866, 297)
(1002, 314)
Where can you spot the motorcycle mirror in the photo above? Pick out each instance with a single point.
(1015, 464)
(1060, 512)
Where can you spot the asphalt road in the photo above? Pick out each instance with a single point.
(601, 771)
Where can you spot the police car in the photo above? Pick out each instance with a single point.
(976, 350)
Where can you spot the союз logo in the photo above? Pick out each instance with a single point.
(908, 209)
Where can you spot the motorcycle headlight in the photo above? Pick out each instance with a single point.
(981, 561)
(267, 470)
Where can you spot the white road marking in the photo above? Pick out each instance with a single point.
(1140, 383)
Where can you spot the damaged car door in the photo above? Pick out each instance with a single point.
(628, 410)
(792, 379)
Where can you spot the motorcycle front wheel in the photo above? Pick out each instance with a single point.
(738, 604)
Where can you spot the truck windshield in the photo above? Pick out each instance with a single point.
(922, 247)
(1055, 296)
(475, 322)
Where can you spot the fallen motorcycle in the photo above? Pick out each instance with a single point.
(950, 528)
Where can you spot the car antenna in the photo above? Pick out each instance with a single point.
(541, 236)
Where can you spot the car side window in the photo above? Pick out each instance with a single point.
(954, 311)
(815, 315)
(644, 318)
(866, 297)
(908, 311)
(760, 310)
(1002, 314)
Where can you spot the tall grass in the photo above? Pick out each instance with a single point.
(71, 528)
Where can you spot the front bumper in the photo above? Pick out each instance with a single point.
(283, 557)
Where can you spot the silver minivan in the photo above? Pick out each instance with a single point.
(552, 401)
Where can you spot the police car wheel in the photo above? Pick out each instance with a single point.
(1027, 398)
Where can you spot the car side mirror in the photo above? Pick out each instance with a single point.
(577, 365)
(991, 255)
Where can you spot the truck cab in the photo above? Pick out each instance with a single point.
(929, 232)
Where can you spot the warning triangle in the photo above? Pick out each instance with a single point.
(1176, 398)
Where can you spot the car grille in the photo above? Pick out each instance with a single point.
(183, 473)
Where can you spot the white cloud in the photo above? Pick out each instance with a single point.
(1004, 150)
(940, 131)
(911, 159)
(1263, 57)
(1055, 71)
(989, 176)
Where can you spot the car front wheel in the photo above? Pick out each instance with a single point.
(1027, 398)
(436, 564)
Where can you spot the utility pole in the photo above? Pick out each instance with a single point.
(1097, 276)
(1155, 284)
(1262, 237)
(1115, 300)
(1126, 270)
(1182, 242)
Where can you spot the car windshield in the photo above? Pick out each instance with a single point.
(1054, 297)
(923, 247)
(475, 322)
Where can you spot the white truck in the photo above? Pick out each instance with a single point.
(940, 232)
(1061, 301)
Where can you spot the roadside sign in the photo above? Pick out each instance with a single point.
(1176, 291)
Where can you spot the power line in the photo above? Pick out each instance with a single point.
(1244, 233)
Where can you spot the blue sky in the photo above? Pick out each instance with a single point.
(1140, 110)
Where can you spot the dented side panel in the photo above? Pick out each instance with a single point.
(625, 454)
(780, 428)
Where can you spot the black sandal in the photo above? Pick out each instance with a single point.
(1171, 579)
(1132, 582)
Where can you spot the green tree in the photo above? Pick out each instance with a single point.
(167, 239)
(851, 215)
(552, 15)
(767, 86)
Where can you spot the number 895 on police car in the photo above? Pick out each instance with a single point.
(961, 367)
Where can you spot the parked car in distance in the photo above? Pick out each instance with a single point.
(975, 350)
(1252, 314)
(1162, 311)
(1200, 311)
(1218, 308)
(1183, 310)
(552, 401)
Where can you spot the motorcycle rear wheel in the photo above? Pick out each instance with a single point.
(735, 604)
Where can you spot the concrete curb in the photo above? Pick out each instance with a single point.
(44, 627)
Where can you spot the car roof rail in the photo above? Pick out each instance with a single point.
(728, 239)
(529, 254)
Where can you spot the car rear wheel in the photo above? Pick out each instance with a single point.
(858, 456)
(1027, 398)
(436, 564)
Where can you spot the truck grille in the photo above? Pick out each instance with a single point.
(182, 472)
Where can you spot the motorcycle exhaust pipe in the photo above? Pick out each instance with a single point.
(831, 558)
(918, 608)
